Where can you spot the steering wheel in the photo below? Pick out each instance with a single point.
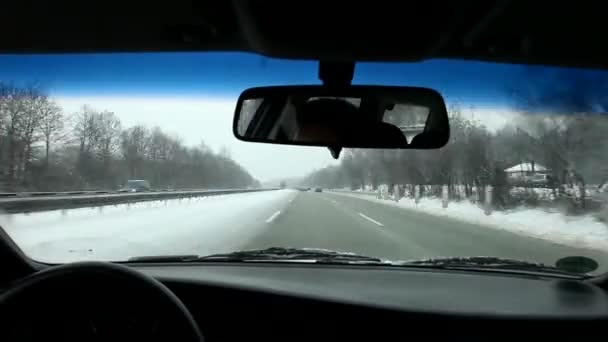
(63, 283)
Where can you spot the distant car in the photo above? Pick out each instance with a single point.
(137, 185)
(318, 190)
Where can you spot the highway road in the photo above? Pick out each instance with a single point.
(286, 218)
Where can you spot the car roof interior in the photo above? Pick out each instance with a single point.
(256, 299)
(527, 32)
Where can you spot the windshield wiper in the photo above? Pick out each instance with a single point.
(488, 263)
(164, 258)
(324, 256)
(314, 255)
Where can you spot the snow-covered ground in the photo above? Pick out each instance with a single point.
(542, 193)
(576, 231)
(190, 226)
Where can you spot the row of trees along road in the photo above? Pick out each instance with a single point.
(573, 145)
(42, 148)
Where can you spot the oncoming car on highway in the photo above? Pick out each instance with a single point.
(137, 185)
(196, 165)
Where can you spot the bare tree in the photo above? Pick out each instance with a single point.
(158, 153)
(134, 145)
(110, 129)
(51, 126)
(86, 131)
(21, 117)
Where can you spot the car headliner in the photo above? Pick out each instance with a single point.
(528, 32)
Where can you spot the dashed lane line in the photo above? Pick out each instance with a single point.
(371, 220)
(273, 216)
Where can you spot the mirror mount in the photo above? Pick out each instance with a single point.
(336, 74)
(335, 151)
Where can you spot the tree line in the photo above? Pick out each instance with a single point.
(42, 148)
(573, 148)
(572, 143)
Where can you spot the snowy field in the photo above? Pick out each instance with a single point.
(575, 231)
(190, 226)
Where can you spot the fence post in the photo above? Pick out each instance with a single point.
(396, 193)
(488, 200)
(444, 196)
(416, 193)
(579, 195)
(379, 196)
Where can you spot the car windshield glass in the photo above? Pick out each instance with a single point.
(119, 156)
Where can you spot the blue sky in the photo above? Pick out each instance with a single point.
(226, 74)
(193, 95)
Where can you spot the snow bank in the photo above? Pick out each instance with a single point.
(582, 232)
(201, 225)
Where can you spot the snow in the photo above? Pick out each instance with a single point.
(575, 231)
(542, 193)
(203, 225)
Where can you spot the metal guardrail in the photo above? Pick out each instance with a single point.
(84, 192)
(50, 193)
(41, 201)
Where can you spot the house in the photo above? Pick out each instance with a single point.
(527, 171)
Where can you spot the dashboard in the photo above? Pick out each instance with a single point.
(285, 301)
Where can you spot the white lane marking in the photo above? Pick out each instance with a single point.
(371, 220)
(273, 216)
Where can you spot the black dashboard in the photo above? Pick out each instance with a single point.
(281, 302)
(286, 301)
(419, 290)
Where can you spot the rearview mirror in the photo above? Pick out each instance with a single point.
(353, 116)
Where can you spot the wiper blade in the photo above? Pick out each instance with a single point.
(314, 255)
(324, 256)
(487, 263)
(164, 258)
(290, 254)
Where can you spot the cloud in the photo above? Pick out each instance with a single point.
(492, 118)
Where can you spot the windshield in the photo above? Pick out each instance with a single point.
(522, 177)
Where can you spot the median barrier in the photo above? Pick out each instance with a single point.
(67, 200)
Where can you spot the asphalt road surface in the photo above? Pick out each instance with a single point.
(338, 222)
(285, 218)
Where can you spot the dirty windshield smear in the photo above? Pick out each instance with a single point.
(124, 157)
